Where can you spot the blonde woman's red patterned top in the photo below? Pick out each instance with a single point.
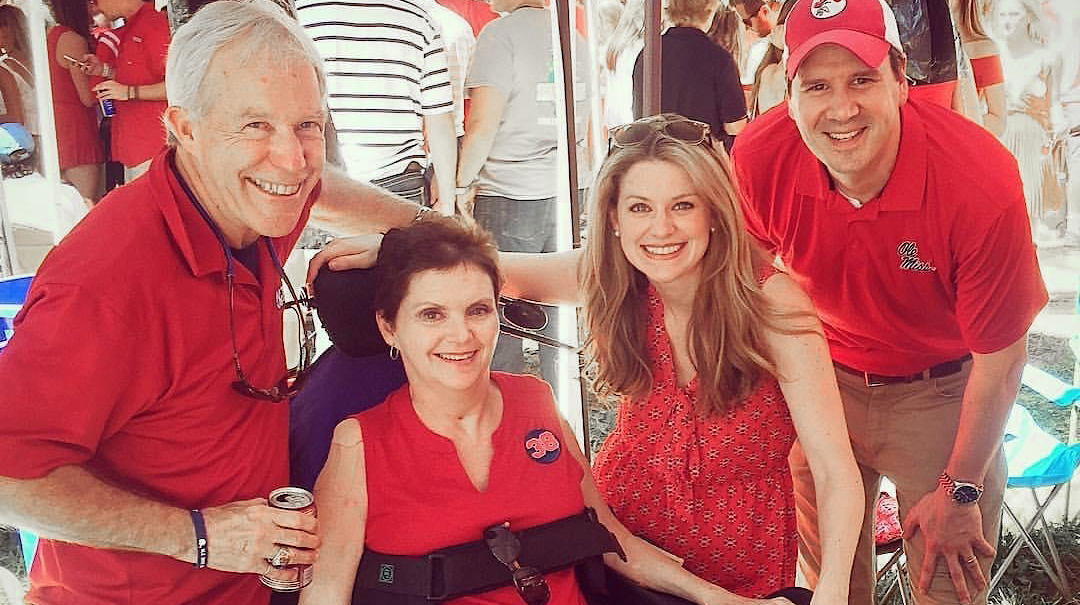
(715, 491)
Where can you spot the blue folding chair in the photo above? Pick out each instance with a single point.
(1036, 460)
(12, 294)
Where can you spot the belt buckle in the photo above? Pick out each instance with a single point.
(871, 380)
(436, 566)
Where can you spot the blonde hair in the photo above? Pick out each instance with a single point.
(730, 316)
(690, 12)
(629, 29)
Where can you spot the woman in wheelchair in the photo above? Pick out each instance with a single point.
(464, 469)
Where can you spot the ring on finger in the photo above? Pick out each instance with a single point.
(281, 557)
(971, 560)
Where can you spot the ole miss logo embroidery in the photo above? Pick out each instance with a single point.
(909, 258)
(542, 446)
(823, 9)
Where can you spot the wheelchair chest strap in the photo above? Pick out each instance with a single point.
(470, 568)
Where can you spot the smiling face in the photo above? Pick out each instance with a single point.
(255, 156)
(445, 327)
(663, 224)
(849, 116)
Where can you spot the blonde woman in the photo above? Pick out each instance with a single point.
(718, 364)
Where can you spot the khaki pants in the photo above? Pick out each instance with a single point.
(904, 432)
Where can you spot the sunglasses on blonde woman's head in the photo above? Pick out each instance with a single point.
(646, 129)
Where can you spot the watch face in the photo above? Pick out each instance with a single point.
(965, 494)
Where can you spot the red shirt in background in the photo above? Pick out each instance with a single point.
(137, 130)
(477, 13)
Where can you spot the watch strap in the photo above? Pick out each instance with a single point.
(950, 485)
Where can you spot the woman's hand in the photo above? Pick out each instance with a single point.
(91, 65)
(356, 252)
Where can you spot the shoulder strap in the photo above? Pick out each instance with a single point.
(471, 568)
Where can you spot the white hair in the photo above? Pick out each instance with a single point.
(256, 32)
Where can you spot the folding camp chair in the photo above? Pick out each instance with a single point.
(900, 583)
(1036, 460)
(1061, 394)
(12, 294)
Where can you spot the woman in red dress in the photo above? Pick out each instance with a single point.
(718, 363)
(74, 103)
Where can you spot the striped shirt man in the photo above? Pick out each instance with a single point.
(386, 73)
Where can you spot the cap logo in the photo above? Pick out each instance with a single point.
(823, 9)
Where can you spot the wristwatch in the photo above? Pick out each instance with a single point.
(961, 492)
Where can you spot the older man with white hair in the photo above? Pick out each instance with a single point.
(146, 389)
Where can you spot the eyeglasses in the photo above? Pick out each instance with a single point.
(673, 127)
(301, 305)
(529, 582)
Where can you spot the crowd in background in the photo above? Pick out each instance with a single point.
(1011, 65)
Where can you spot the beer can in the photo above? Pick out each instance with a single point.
(300, 500)
(107, 108)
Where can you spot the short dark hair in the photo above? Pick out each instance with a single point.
(897, 62)
(435, 242)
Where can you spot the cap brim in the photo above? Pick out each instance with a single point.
(871, 50)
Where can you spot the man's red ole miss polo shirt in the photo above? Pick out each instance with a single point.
(940, 264)
(137, 130)
(122, 362)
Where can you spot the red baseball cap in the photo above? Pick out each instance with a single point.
(867, 28)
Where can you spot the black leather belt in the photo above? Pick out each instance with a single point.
(876, 380)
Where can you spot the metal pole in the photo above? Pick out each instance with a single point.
(651, 56)
(566, 36)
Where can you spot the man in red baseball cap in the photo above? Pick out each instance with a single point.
(906, 224)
